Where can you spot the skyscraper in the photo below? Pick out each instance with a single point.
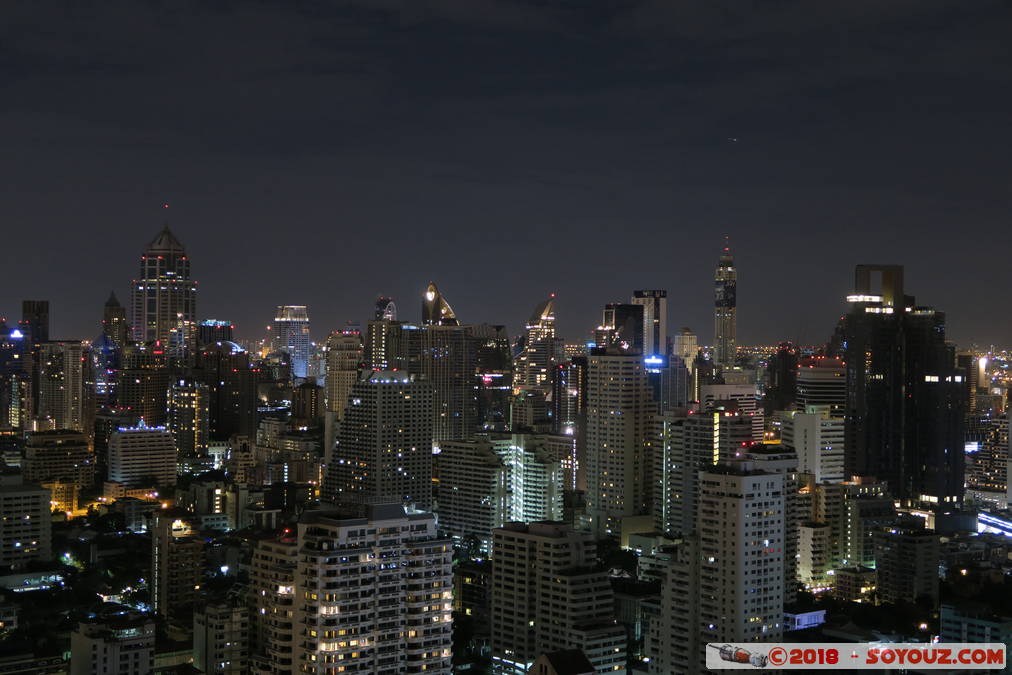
(391, 345)
(384, 444)
(569, 396)
(291, 333)
(621, 327)
(548, 593)
(436, 311)
(683, 445)
(114, 321)
(15, 366)
(619, 409)
(58, 456)
(726, 583)
(685, 345)
(473, 492)
(725, 335)
(142, 456)
(655, 320)
(116, 639)
(210, 331)
(143, 383)
(189, 417)
(344, 359)
(386, 310)
(397, 617)
(25, 521)
(818, 438)
(225, 368)
(106, 361)
(782, 374)
(821, 381)
(448, 359)
(272, 595)
(905, 397)
(64, 387)
(221, 630)
(540, 348)
(745, 397)
(163, 293)
(493, 376)
(177, 563)
(34, 322)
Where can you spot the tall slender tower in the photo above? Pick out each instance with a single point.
(619, 408)
(163, 294)
(291, 330)
(344, 360)
(35, 320)
(905, 401)
(114, 322)
(537, 359)
(725, 340)
(655, 320)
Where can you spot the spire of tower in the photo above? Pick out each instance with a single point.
(436, 311)
(113, 301)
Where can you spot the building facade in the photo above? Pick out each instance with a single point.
(163, 293)
(548, 594)
(384, 445)
(397, 615)
(291, 336)
(143, 456)
(725, 311)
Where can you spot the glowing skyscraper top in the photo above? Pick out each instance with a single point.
(436, 311)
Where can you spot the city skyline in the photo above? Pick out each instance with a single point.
(253, 329)
(507, 337)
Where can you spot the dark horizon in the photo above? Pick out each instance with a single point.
(325, 154)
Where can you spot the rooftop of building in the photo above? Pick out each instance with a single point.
(737, 467)
(543, 528)
(55, 434)
(117, 617)
(974, 610)
(828, 362)
(344, 514)
(768, 450)
(569, 662)
(165, 242)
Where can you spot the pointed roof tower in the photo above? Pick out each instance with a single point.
(166, 242)
(543, 314)
(436, 311)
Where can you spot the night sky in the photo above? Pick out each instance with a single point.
(322, 153)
